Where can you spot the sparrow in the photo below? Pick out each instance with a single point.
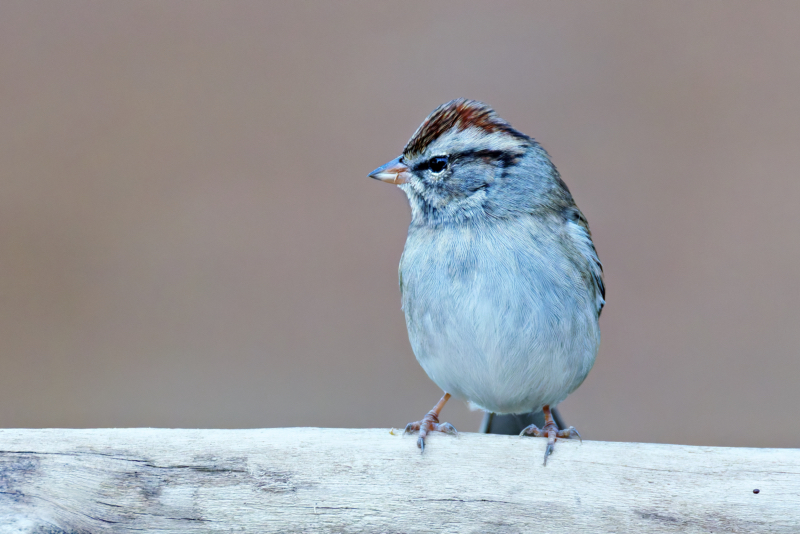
(500, 282)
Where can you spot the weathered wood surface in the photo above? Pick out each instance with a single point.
(336, 480)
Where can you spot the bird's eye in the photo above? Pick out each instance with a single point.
(437, 164)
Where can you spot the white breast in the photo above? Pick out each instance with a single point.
(501, 318)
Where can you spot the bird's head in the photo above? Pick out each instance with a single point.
(464, 162)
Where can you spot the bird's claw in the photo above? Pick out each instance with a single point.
(447, 428)
(548, 451)
(569, 433)
(429, 423)
(551, 432)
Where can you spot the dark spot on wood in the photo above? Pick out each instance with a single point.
(48, 528)
(274, 481)
(658, 517)
(756, 491)
(15, 471)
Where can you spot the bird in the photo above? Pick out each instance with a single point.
(500, 282)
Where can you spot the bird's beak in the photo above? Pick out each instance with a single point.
(395, 172)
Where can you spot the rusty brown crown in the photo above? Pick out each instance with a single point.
(459, 114)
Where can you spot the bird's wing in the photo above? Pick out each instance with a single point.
(578, 228)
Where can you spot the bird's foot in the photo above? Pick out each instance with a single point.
(429, 423)
(551, 432)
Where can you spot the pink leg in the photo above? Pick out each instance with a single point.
(430, 423)
(550, 431)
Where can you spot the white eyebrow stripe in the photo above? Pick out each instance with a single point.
(472, 139)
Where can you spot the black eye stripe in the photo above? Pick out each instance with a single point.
(506, 159)
(435, 164)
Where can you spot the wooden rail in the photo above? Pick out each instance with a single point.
(343, 480)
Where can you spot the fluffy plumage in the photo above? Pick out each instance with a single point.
(501, 284)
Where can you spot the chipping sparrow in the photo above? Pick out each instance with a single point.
(500, 282)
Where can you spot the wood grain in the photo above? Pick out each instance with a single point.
(344, 480)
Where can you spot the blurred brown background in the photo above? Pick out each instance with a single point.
(188, 237)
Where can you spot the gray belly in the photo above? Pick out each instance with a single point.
(508, 330)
